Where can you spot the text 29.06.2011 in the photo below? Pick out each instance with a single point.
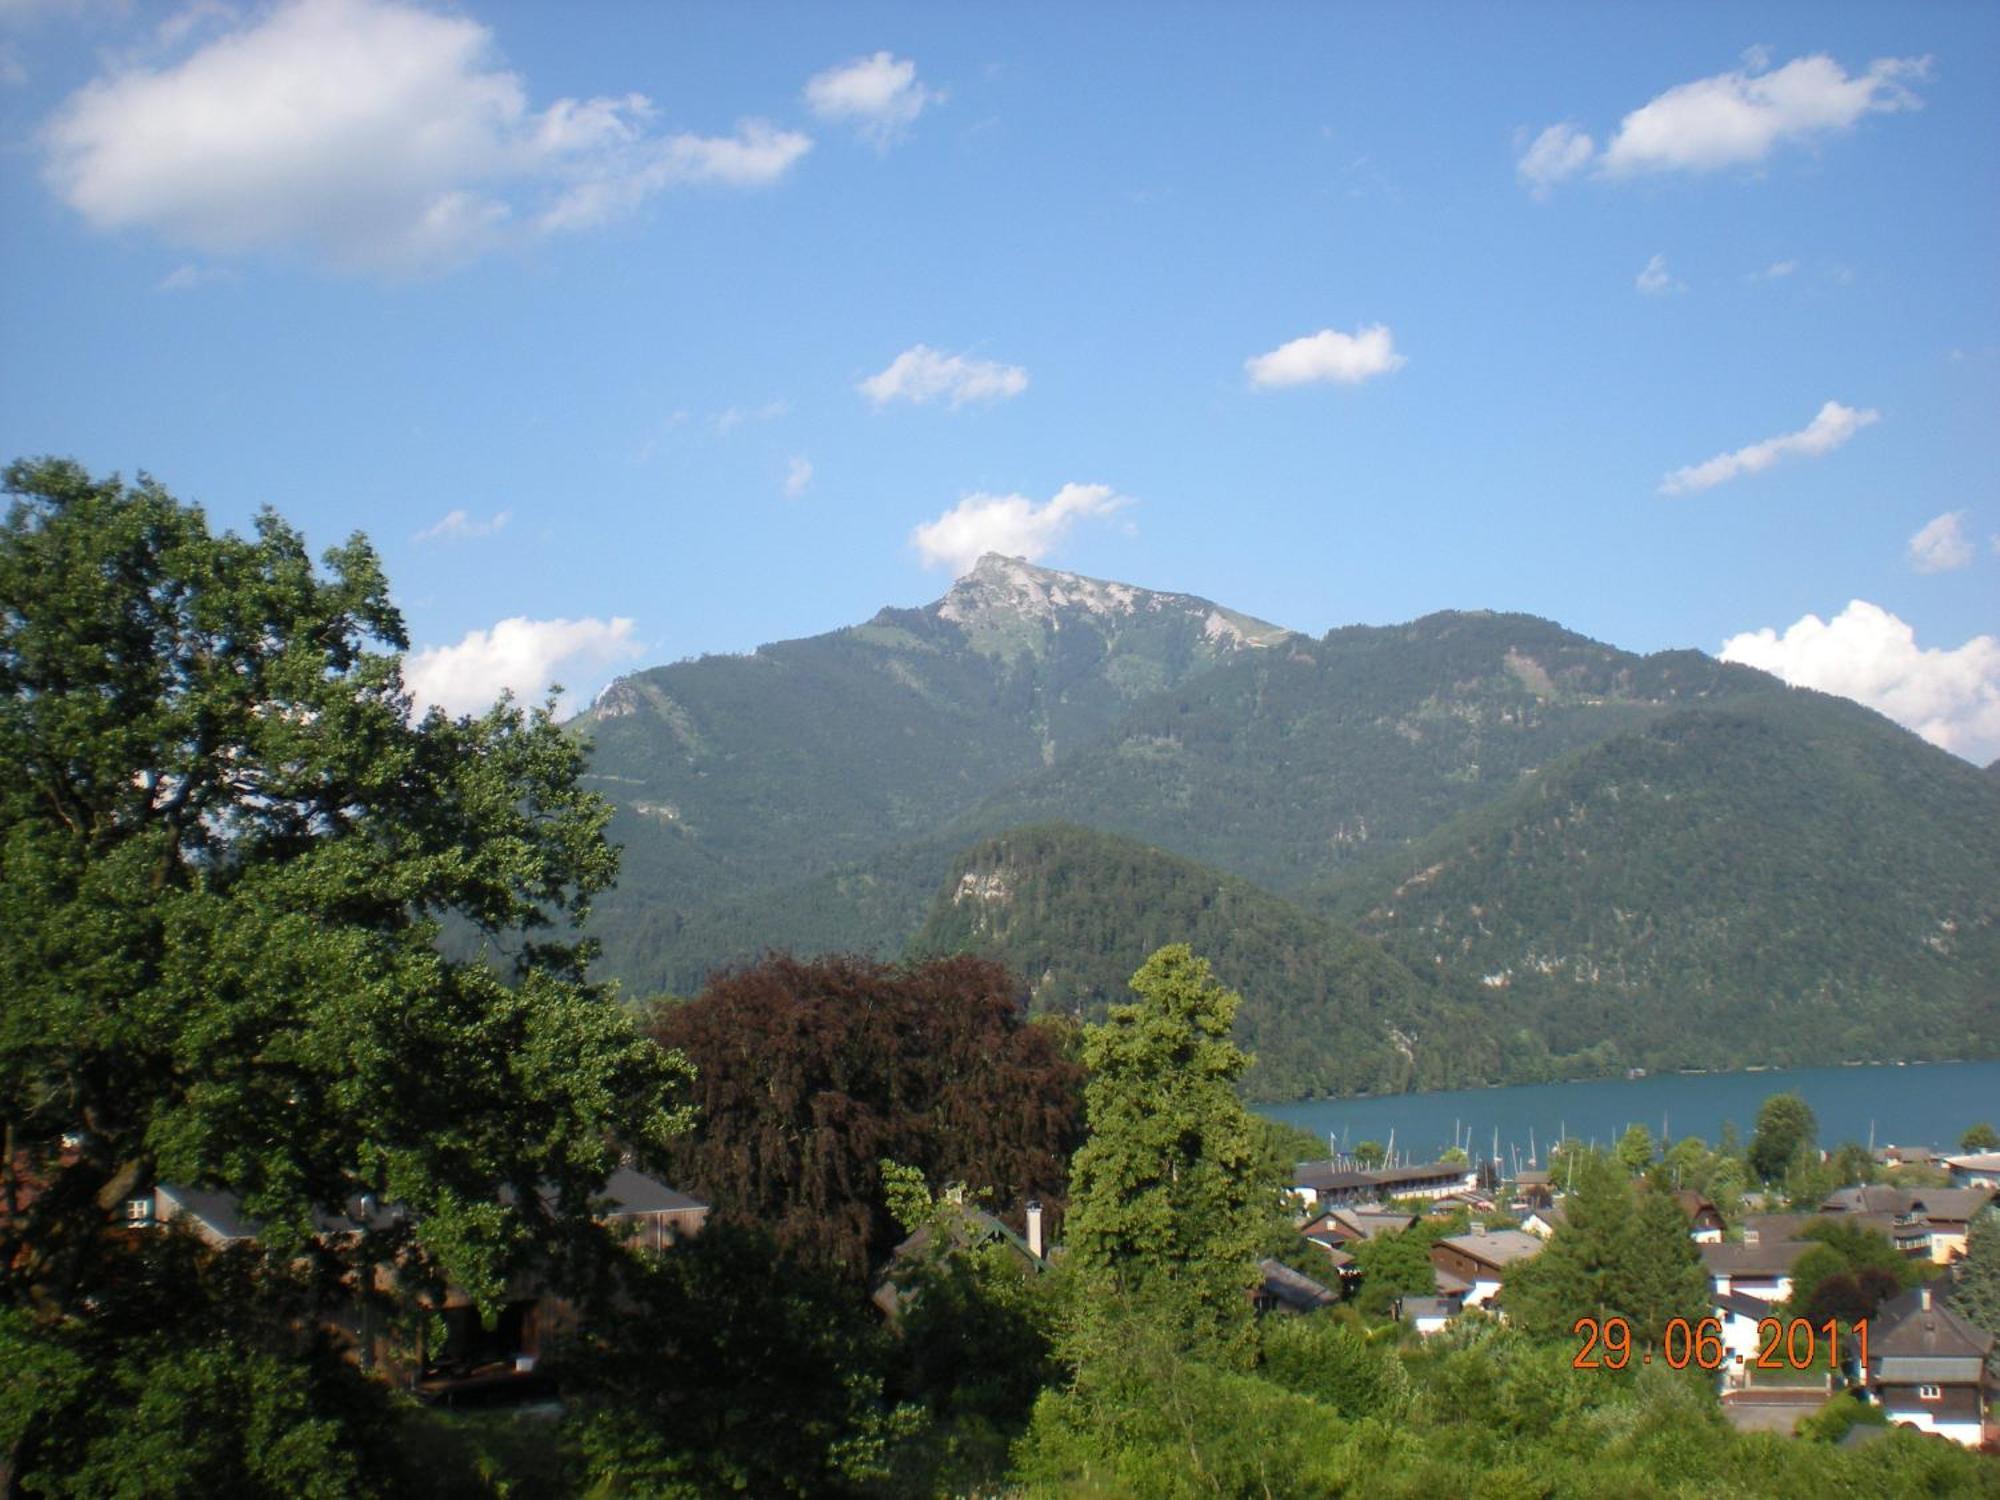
(1607, 1344)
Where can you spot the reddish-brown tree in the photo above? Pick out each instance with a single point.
(809, 1072)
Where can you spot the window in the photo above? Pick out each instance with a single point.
(1929, 1393)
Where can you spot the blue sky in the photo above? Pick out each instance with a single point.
(1675, 324)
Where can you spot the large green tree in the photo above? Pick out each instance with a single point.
(1170, 1196)
(1785, 1128)
(227, 849)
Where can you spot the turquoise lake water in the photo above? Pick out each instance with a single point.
(1927, 1104)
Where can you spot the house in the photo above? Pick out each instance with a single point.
(1480, 1259)
(1543, 1222)
(1329, 1184)
(1428, 1315)
(1283, 1289)
(1705, 1224)
(1927, 1366)
(1931, 1223)
(1740, 1315)
(1762, 1270)
(471, 1355)
(974, 1229)
(1981, 1169)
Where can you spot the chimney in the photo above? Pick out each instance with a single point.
(1035, 1227)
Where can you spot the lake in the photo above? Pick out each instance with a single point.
(1921, 1104)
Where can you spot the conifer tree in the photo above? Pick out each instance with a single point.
(1170, 1197)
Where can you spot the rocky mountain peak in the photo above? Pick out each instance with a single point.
(1003, 591)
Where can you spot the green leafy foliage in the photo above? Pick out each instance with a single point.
(1171, 1195)
(1619, 1253)
(732, 1369)
(1785, 1128)
(1980, 1137)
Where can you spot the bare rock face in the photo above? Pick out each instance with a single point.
(1006, 604)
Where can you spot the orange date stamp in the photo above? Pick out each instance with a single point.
(1781, 1345)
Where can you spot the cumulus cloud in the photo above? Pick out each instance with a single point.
(1732, 119)
(921, 374)
(798, 477)
(879, 96)
(1941, 544)
(1834, 425)
(1349, 358)
(1655, 280)
(372, 135)
(462, 526)
(1951, 698)
(1558, 152)
(1736, 118)
(1012, 525)
(1775, 270)
(518, 655)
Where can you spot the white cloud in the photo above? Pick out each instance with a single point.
(798, 477)
(730, 418)
(1349, 358)
(1655, 280)
(460, 526)
(1834, 425)
(1736, 118)
(1775, 270)
(1951, 698)
(188, 276)
(1941, 544)
(1558, 152)
(921, 373)
(520, 655)
(1012, 525)
(372, 135)
(1732, 119)
(880, 96)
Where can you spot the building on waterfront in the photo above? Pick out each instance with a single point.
(1930, 1223)
(1981, 1169)
(1331, 1184)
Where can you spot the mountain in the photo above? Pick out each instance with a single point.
(734, 773)
(1076, 913)
(1609, 859)
(1788, 878)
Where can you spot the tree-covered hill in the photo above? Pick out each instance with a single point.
(1075, 912)
(1787, 879)
(1288, 767)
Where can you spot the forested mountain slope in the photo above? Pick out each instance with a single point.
(1787, 879)
(1076, 913)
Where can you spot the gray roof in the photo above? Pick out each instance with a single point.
(220, 1213)
(1904, 1327)
(1743, 1305)
(1902, 1369)
(633, 1192)
(1497, 1247)
(1762, 1259)
(1946, 1205)
(1294, 1288)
